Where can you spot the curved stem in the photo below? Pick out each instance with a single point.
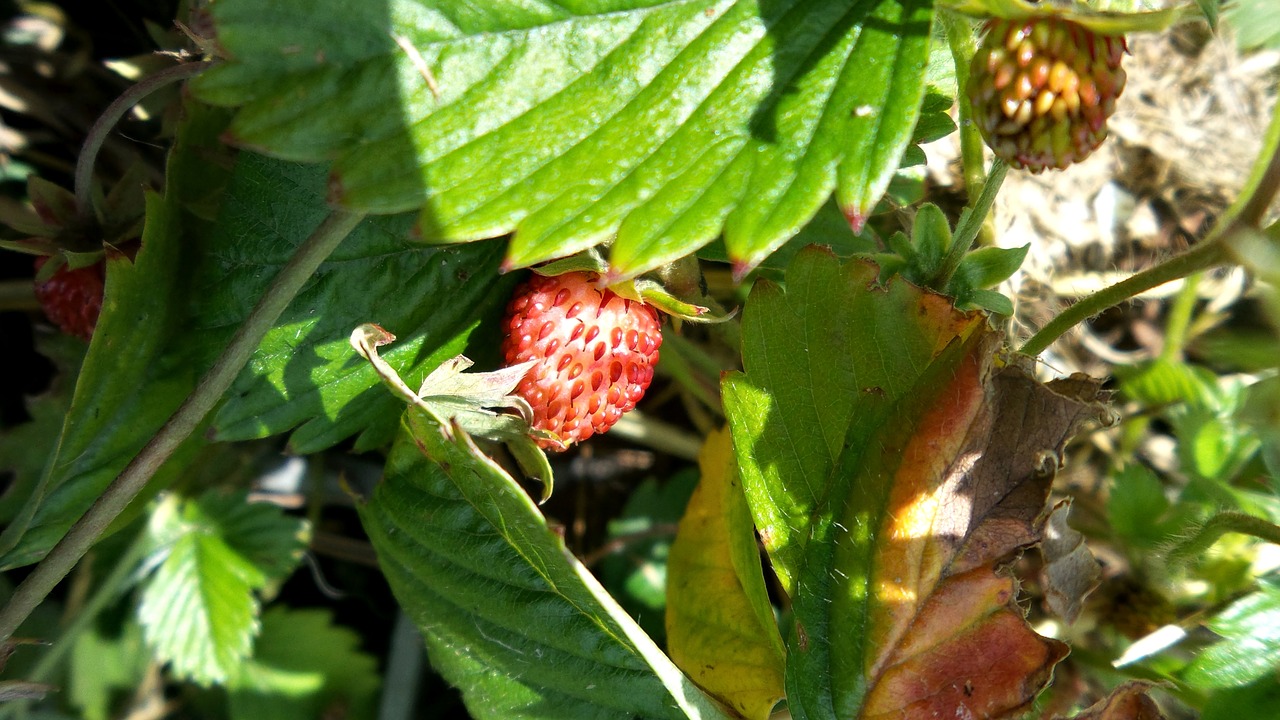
(102, 126)
(640, 428)
(1219, 525)
(181, 424)
(1202, 256)
(1244, 215)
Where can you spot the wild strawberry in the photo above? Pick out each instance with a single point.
(1041, 90)
(595, 353)
(72, 299)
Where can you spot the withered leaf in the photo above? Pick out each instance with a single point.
(1070, 571)
(895, 465)
(1129, 701)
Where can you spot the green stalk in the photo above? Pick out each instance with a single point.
(18, 295)
(1244, 215)
(1175, 330)
(102, 126)
(963, 47)
(970, 225)
(208, 392)
(1200, 257)
(1215, 528)
(107, 591)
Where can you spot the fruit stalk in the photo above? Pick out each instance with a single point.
(116, 110)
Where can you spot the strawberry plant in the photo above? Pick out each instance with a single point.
(624, 358)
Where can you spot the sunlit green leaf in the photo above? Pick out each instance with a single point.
(652, 124)
(1250, 648)
(1165, 382)
(890, 469)
(199, 609)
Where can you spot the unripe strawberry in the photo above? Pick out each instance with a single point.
(72, 299)
(595, 353)
(1041, 90)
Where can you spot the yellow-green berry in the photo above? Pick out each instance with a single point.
(1041, 90)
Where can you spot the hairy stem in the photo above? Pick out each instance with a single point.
(102, 126)
(1244, 215)
(1215, 528)
(1200, 257)
(208, 392)
(963, 46)
(970, 225)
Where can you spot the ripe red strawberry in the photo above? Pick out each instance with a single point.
(1042, 88)
(72, 299)
(595, 353)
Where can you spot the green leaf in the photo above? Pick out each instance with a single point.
(199, 610)
(797, 406)
(128, 384)
(1165, 382)
(25, 448)
(720, 623)
(935, 120)
(1256, 23)
(990, 300)
(1250, 648)
(1210, 10)
(168, 315)
(987, 267)
(303, 375)
(1136, 504)
(654, 124)
(305, 667)
(1238, 350)
(829, 228)
(931, 237)
(1242, 702)
(507, 614)
(101, 667)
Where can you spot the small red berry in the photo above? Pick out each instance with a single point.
(72, 299)
(595, 353)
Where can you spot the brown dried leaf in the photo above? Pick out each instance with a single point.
(1127, 702)
(970, 494)
(1070, 571)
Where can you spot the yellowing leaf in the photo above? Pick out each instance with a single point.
(720, 625)
(894, 467)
